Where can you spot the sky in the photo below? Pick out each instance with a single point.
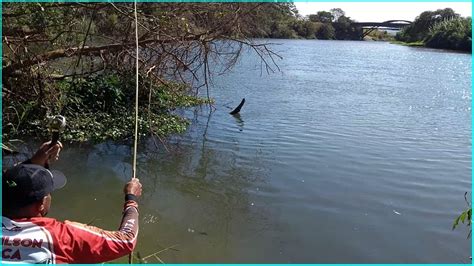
(378, 12)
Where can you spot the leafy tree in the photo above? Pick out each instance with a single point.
(454, 33)
(337, 13)
(344, 30)
(275, 21)
(305, 28)
(282, 30)
(325, 31)
(419, 29)
(334, 25)
(322, 16)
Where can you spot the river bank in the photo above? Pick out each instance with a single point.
(99, 108)
(423, 45)
(410, 44)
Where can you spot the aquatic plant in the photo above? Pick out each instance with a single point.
(465, 217)
(100, 107)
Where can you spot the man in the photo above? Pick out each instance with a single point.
(29, 237)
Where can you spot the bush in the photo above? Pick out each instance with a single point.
(453, 33)
(101, 107)
(419, 29)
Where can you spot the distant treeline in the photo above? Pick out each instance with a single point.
(286, 23)
(442, 28)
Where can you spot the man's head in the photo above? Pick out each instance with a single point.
(26, 190)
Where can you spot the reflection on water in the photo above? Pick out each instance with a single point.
(357, 152)
(239, 121)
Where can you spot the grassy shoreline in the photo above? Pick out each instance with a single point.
(411, 44)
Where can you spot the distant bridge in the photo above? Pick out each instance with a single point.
(387, 25)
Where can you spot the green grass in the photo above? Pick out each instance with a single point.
(411, 44)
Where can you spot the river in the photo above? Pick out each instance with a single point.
(355, 152)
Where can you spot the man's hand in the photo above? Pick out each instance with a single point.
(133, 187)
(46, 154)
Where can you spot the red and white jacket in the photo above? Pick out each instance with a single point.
(47, 240)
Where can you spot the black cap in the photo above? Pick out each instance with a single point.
(24, 184)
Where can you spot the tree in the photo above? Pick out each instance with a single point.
(419, 29)
(305, 28)
(276, 21)
(334, 25)
(281, 30)
(62, 30)
(454, 33)
(321, 16)
(337, 13)
(344, 30)
(325, 31)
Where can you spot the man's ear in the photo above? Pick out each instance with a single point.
(40, 205)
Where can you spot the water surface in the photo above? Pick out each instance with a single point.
(355, 152)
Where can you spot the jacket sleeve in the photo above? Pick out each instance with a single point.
(80, 243)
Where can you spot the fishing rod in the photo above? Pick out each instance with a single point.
(135, 143)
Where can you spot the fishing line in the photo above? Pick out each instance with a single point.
(135, 144)
(134, 169)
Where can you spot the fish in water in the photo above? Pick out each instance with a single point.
(237, 109)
